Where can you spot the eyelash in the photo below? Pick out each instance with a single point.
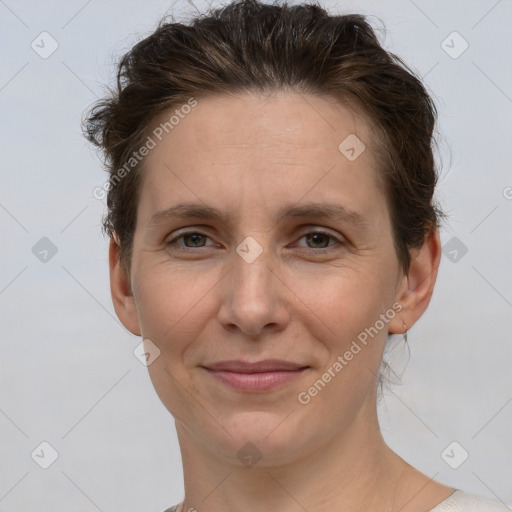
(318, 250)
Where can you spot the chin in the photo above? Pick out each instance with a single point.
(268, 438)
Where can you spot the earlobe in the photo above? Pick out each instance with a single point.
(120, 289)
(418, 285)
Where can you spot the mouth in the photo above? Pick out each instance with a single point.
(255, 377)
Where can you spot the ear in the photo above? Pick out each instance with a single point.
(417, 286)
(120, 289)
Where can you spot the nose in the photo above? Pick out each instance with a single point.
(254, 295)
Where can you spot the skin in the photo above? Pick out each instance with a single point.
(249, 155)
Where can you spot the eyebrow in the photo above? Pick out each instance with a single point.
(328, 211)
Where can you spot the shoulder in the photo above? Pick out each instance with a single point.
(461, 501)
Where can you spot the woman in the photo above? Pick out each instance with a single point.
(234, 146)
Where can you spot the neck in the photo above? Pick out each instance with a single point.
(352, 470)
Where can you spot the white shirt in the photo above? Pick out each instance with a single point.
(461, 501)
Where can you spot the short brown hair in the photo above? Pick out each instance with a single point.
(250, 46)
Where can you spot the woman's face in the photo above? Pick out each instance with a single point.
(257, 284)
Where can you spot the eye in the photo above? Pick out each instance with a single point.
(318, 239)
(194, 237)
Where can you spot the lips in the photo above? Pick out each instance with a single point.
(268, 365)
(255, 377)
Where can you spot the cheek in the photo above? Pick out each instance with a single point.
(347, 305)
(172, 303)
(342, 302)
(348, 309)
(329, 307)
(333, 303)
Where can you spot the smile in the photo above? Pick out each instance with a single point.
(256, 382)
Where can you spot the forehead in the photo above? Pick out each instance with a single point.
(253, 148)
(273, 122)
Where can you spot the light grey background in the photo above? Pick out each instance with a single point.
(68, 373)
